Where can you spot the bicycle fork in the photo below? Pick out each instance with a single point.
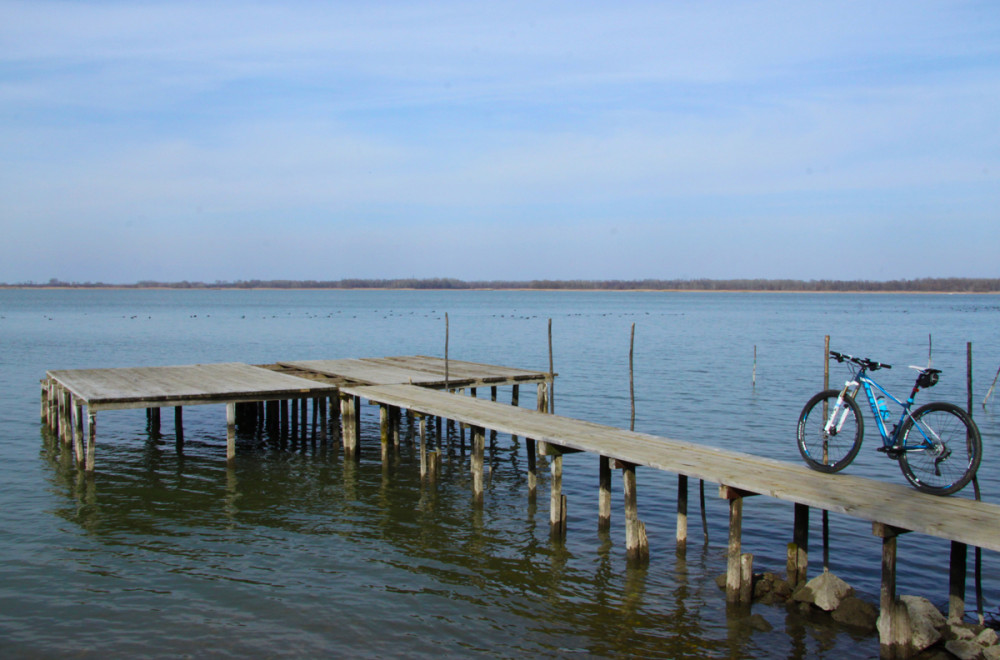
(836, 418)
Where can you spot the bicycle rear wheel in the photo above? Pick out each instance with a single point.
(942, 448)
(830, 451)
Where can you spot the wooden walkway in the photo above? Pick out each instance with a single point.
(952, 518)
(431, 388)
(65, 393)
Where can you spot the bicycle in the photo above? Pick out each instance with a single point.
(938, 446)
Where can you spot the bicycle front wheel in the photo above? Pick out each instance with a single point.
(833, 450)
(941, 448)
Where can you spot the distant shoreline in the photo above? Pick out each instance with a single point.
(923, 285)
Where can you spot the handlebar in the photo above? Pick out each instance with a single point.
(864, 363)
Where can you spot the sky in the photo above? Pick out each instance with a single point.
(298, 139)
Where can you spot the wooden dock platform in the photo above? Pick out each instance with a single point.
(432, 388)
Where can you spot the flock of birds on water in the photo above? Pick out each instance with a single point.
(432, 314)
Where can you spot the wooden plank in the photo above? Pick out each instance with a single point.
(463, 373)
(140, 387)
(953, 518)
(366, 371)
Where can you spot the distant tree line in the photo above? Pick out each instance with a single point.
(922, 285)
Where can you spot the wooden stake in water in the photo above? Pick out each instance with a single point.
(990, 391)
(754, 383)
(631, 380)
(552, 376)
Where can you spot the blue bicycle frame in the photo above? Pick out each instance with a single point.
(889, 437)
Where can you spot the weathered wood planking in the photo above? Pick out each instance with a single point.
(967, 521)
(142, 387)
(417, 370)
(365, 371)
(462, 373)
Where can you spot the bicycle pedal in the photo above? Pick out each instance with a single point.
(890, 452)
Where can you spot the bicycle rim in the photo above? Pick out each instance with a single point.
(829, 451)
(949, 461)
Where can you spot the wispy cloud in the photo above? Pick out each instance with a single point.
(448, 120)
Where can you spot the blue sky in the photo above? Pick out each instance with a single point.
(508, 140)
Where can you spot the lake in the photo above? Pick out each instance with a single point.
(292, 552)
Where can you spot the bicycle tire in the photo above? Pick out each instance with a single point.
(940, 470)
(834, 451)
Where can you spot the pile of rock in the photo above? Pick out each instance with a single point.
(921, 625)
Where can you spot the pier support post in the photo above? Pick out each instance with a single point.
(395, 418)
(682, 512)
(294, 418)
(179, 425)
(478, 450)
(557, 501)
(50, 412)
(736, 566)
(604, 494)
(45, 399)
(271, 417)
(423, 445)
(154, 422)
(893, 621)
(283, 419)
(78, 432)
(798, 550)
(346, 421)
(321, 404)
(91, 441)
(230, 431)
(304, 417)
(65, 428)
(384, 415)
(636, 543)
(956, 581)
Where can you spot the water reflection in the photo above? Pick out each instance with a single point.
(305, 520)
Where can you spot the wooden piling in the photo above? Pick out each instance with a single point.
(636, 543)
(798, 549)
(552, 377)
(91, 441)
(230, 431)
(65, 430)
(45, 399)
(604, 494)
(283, 422)
(746, 578)
(394, 420)
(321, 404)
(349, 422)
(542, 405)
(893, 625)
(734, 572)
(557, 501)
(738, 575)
(383, 418)
(956, 581)
(682, 512)
(179, 425)
(476, 463)
(423, 445)
(78, 433)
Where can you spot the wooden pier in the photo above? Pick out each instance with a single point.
(432, 388)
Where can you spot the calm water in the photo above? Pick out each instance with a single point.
(293, 552)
